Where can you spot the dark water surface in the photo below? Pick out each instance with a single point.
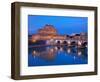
(56, 55)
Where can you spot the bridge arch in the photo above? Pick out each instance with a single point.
(58, 41)
(65, 42)
(73, 43)
(85, 44)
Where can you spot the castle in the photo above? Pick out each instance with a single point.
(46, 33)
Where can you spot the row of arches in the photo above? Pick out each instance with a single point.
(72, 42)
(68, 42)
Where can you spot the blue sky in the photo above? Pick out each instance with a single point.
(63, 24)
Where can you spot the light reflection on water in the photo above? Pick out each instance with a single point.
(56, 55)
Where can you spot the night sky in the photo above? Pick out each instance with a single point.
(63, 24)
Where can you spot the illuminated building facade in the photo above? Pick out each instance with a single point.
(49, 34)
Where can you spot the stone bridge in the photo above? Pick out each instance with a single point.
(67, 42)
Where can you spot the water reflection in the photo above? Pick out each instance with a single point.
(56, 55)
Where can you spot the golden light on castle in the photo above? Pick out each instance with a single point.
(46, 33)
(33, 41)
